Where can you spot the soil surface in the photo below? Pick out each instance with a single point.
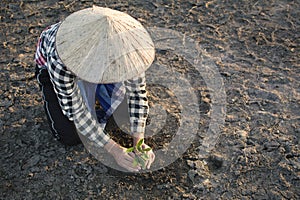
(255, 45)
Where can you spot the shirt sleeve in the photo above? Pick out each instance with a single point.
(138, 103)
(39, 56)
(68, 93)
(73, 106)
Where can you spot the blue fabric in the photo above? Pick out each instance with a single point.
(88, 94)
(109, 96)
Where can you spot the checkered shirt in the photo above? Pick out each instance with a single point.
(71, 102)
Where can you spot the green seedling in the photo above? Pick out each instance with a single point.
(140, 154)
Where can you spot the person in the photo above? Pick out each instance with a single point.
(95, 55)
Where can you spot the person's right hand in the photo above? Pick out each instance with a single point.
(120, 155)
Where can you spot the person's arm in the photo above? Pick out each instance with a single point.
(72, 103)
(66, 88)
(138, 112)
(138, 106)
(87, 125)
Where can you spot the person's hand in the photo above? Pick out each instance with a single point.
(150, 154)
(120, 155)
(137, 138)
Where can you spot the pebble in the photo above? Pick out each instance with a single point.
(242, 134)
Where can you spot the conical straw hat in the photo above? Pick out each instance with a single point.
(101, 45)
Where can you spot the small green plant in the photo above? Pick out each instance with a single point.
(141, 154)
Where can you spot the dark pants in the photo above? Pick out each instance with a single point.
(62, 128)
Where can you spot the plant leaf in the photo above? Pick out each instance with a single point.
(131, 149)
(140, 142)
(147, 149)
(139, 149)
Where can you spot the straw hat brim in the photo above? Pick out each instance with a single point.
(101, 45)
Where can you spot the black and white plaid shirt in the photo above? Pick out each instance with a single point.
(71, 102)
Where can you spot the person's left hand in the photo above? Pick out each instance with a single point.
(150, 154)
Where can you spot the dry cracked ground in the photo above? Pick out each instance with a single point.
(254, 46)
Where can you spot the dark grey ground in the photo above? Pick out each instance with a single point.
(255, 45)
